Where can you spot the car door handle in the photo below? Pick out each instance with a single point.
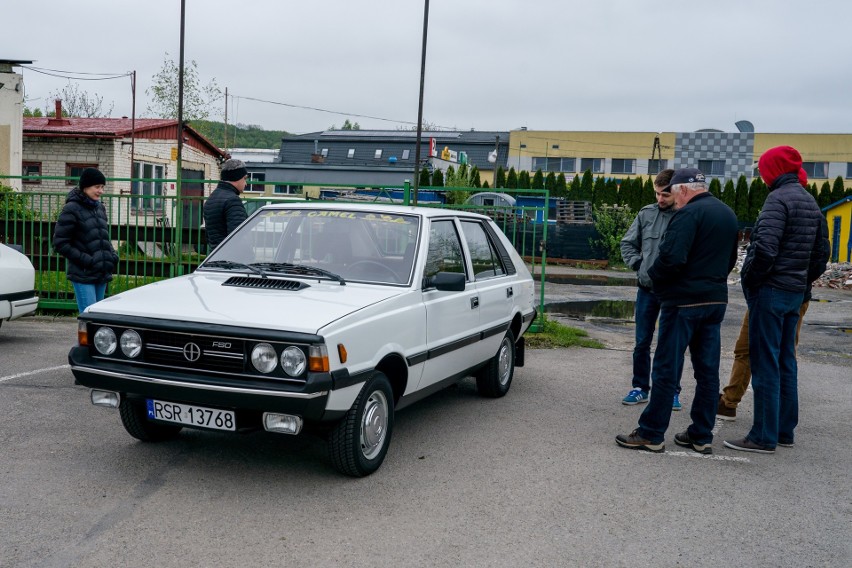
(510, 292)
(474, 303)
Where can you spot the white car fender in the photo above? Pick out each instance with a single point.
(343, 399)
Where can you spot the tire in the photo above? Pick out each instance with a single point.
(495, 378)
(359, 442)
(135, 421)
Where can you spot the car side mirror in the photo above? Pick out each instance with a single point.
(446, 282)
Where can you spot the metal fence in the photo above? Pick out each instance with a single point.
(161, 236)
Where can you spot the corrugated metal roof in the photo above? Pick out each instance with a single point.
(95, 126)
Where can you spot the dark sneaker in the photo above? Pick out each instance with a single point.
(786, 442)
(725, 413)
(636, 442)
(684, 440)
(746, 445)
(636, 396)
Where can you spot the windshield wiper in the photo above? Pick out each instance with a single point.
(300, 269)
(231, 265)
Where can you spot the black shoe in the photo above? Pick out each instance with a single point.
(636, 442)
(725, 413)
(684, 440)
(786, 442)
(746, 445)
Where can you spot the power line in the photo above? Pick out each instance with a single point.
(72, 75)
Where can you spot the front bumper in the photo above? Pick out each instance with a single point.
(239, 394)
(15, 307)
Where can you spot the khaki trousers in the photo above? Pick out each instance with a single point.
(741, 370)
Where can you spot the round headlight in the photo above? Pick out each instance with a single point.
(293, 361)
(105, 341)
(131, 343)
(264, 358)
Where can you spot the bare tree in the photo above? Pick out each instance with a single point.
(77, 103)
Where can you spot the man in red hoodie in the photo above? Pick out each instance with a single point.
(785, 246)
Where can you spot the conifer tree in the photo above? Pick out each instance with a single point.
(648, 195)
(587, 185)
(729, 195)
(824, 199)
(838, 190)
(500, 180)
(512, 179)
(598, 192)
(561, 185)
(716, 188)
(537, 180)
(425, 178)
(741, 204)
(437, 178)
(475, 181)
(523, 180)
(756, 196)
(550, 183)
(574, 192)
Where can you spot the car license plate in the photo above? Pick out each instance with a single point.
(191, 415)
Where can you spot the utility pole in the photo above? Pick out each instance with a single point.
(656, 149)
(225, 142)
(420, 104)
(179, 200)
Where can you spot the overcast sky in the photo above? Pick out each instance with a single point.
(612, 65)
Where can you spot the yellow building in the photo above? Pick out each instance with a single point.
(839, 216)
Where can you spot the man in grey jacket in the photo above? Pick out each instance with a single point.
(639, 249)
(224, 210)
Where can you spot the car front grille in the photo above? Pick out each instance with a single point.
(200, 352)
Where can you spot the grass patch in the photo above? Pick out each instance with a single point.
(555, 335)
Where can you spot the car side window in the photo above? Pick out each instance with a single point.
(445, 251)
(484, 257)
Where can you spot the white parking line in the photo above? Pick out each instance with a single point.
(706, 457)
(36, 372)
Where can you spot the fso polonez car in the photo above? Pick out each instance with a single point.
(319, 314)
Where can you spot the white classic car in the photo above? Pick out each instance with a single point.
(17, 283)
(327, 315)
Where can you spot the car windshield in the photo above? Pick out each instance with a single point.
(348, 246)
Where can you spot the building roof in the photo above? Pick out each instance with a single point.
(113, 128)
(836, 203)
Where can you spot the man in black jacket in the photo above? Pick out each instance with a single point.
(224, 210)
(783, 255)
(690, 279)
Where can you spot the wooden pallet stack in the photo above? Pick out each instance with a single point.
(574, 212)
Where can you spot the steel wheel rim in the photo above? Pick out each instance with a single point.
(374, 424)
(504, 366)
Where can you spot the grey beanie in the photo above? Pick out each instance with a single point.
(233, 170)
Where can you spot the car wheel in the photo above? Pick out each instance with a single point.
(135, 420)
(359, 442)
(495, 378)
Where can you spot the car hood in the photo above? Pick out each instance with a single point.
(201, 297)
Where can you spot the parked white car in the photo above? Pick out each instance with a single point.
(324, 315)
(17, 283)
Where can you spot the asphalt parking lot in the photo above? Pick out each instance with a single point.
(532, 479)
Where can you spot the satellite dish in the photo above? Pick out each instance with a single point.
(744, 126)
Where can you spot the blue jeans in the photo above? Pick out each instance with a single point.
(773, 316)
(88, 294)
(699, 329)
(647, 311)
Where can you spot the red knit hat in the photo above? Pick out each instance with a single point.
(778, 161)
(803, 178)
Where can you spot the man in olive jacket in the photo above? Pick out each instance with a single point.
(224, 210)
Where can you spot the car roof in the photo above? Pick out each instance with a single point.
(427, 212)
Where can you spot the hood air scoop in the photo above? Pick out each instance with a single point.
(264, 283)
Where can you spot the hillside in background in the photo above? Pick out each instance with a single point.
(239, 136)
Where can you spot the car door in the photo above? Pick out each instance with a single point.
(495, 287)
(452, 318)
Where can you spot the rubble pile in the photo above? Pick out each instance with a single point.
(838, 276)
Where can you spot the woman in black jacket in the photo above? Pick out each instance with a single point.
(82, 237)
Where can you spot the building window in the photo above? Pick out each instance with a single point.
(554, 164)
(712, 167)
(816, 169)
(351, 153)
(656, 166)
(555, 146)
(31, 169)
(596, 165)
(378, 155)
(622, 166)
(255, 177)
(405, 154)
(848, 170)
(147, 187)
(288, 190)
(73, 171)
(324, 152)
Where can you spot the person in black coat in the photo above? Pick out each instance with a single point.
(224, 210)
(785, 254)
(82, 237)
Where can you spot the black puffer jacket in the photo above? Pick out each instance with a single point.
(784, 249)
(82, 236)
(223, 212)
(698, 251)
